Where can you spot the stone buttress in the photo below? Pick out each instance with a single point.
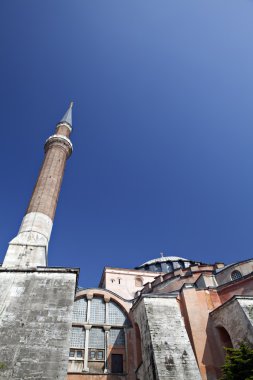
(166, 349)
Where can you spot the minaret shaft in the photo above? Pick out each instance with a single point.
(29, 247)
(47, 188)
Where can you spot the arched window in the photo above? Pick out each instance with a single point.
(98, 336)
(235, 275)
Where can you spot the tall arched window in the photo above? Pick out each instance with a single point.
(98, 336)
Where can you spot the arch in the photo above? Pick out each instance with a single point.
(225, 340)
(100, 326)
(96, 292)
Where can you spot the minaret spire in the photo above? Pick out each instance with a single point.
(67, 118)
(29, 247)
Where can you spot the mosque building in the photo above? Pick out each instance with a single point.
(168, 318)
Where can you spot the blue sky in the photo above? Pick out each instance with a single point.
(163, 127)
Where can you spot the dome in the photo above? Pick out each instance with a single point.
(164, 259)
(165, 264)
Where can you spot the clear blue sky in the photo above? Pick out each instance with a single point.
(163, 127)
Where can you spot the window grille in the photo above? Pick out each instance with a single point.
(97, 310)
(235, 275)
(97, 338)
(77, 337)
(115, 314)
(116, 337)
(80, 310)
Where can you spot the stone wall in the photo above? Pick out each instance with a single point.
(166, 349)
(35, 322)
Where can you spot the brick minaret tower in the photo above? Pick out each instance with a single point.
(36, 301)
(29, 247)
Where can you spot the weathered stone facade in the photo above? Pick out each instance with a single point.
(35, 323)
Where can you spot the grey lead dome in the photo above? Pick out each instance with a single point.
(166, 264)
(163, 259)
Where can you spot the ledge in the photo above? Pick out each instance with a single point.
(41, 270)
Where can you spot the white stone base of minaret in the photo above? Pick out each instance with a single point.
(29, 247)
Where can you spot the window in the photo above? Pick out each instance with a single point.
(96, 354)
(79, 354)
(77, 337)
(235, 275)
(80, 310)
(97, 338)
(96, 319)
(116, 316)
(76, 354)
(100, 355)
(97, 313)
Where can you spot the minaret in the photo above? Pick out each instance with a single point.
(29, 247)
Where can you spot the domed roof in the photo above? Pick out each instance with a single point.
(163, 259)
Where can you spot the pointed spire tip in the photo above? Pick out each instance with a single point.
(68, 115)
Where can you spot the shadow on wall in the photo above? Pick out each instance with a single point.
(214, 352)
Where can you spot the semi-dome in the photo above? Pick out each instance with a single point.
(165, 264)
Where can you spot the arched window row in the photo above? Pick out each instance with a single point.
(98, 336)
